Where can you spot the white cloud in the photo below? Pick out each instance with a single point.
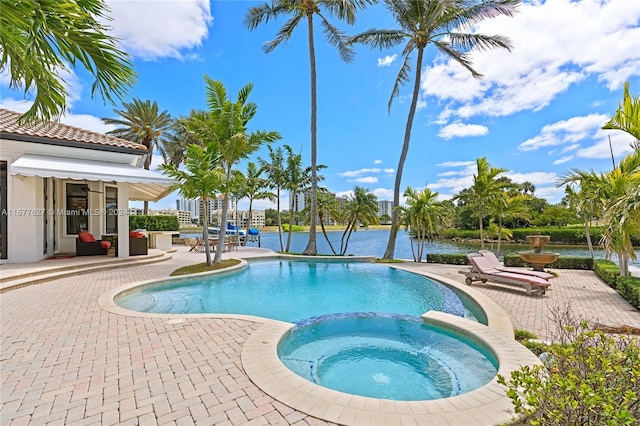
(601, 149)
(581, 38)
(15, 105)
(388, 171)
(348, 193)
(360, 172)
(387, 60)
(563, 160)
(457, 164)
(377, 161)
(572, 130)
(365, 179)
(87, 122)
(151, 30)
(383, 194)
(462, 130)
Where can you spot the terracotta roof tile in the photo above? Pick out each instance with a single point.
(61, 132)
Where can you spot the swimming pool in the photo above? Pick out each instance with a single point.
(291, 290)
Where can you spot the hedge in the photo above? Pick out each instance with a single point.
(607, 270)
(563, 262)
(154, 223)
(629, 288)
(572, 235)
(449, 259)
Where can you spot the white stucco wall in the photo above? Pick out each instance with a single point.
(25, 219)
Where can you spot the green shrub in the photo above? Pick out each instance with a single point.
(294, 228)
(449, 259)
(563, 262)
(588, 379)
(154, 223)
(607, 270)
(629, 288)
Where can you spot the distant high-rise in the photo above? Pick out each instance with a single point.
(190, 206)
(385, 208)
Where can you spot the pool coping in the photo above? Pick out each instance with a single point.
(486, 405)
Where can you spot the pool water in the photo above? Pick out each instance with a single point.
(294, 290)
(385, 356)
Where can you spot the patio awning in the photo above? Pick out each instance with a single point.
(144, 185)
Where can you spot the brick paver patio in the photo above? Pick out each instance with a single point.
(67, 361)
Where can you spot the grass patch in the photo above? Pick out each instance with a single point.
(202, 267)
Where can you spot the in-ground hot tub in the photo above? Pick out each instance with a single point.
(395, 357)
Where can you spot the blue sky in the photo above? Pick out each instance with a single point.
(537, 112)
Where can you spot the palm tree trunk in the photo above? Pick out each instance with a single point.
(588, 234)
(223, 221)
(291, 203)
(279, 220)
(246, 234)
(205, 233)
(311, 249)
(395, 217)
(499, 235)
(481, 229)
(324, 232)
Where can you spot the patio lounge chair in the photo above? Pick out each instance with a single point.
(495, 262)
(87, 245)
(483, 270)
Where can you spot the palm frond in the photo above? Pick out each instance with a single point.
(379, 39)
(337, 38)
(402, 79)
(466, 42)
(263, 13)
(284, 33)
(216, 93)
(457, 56)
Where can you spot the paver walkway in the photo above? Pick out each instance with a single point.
(64, 360)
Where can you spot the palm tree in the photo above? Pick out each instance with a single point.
(296, 179)
(504, 207)
(627, 117)
(143, 123)
(326, 204)
(41, 39)
(584, 201)
(255, 188)
(487, 186)
(226, 124)
(172, 147)
(202, 178)
(442, 24)
(361, 207)
(424, 215)
(299, 10)
(275, 171)
(618, 193)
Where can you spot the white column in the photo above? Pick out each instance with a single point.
(123, 219)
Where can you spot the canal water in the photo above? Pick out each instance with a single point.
(374, 242)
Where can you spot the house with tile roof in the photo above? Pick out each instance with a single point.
(58, 180)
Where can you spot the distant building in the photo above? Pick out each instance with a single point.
(191, 206)
(257, 218)
(184, 216)
(216, 204)
(385, 208)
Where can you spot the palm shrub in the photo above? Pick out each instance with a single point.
(589, 378)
